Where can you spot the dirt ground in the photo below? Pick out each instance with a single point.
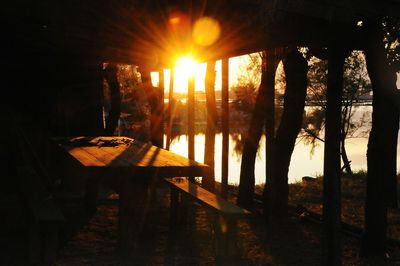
(93, 240)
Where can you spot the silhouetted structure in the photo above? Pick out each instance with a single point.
(53, 55)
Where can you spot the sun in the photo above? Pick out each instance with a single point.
(185, 66)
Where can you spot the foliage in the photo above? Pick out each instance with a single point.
(308, 194)
(247, 83)
(391, 28)
(356, 88)
(135, 110)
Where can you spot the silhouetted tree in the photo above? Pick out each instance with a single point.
(356, 85)
(382, 144)
(115, 99)
(252, 138)
(295, 67)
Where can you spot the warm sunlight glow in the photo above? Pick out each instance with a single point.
(174, 20)
(185, 66)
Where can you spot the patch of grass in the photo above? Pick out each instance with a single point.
(309, 195)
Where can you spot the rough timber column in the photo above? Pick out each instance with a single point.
(225, 127)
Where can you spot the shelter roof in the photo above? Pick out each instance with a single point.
(140, 32)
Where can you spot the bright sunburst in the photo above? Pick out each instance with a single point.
(185, 66)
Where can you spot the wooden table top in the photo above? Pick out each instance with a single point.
(123, 152)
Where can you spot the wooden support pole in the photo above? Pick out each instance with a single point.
(159, 133)
(332, 191)
(191, 124)
(225, 127)
(209, 145)
(170, 108)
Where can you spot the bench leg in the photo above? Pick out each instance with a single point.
(91, 193)
(50, 243)
(34, 243)
(42, 243)
(178, 208)
(174, 207)
(208, 182)
(133, 205)
(225, 236)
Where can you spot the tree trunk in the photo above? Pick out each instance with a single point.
(345, 123)
(272, 60)
(115, 95)
(345, 158)
(156, 102)
(382, 143)
(252, 138)
(331, 242)
(209, 148)
(296, 68)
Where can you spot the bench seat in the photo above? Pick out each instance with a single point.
(224, 214)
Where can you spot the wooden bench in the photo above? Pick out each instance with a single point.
(45, 217)
(224, 213)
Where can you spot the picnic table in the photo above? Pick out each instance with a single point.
(133, 167)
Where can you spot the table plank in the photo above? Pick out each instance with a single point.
(132, 154)
(131, 162)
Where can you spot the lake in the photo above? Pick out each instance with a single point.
(304, 162)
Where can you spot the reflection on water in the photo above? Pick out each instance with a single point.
(304, 163)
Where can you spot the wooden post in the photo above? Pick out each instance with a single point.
(170, 108)
(225, 127)
(209, 145)
(191, 124)
(159, 133)
(332, 191)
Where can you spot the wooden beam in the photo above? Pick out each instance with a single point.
(225, 127)
(211, 129)
(170, 108)
(191, 124)
(160, 96)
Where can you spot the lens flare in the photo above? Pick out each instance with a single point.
(206, 31)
